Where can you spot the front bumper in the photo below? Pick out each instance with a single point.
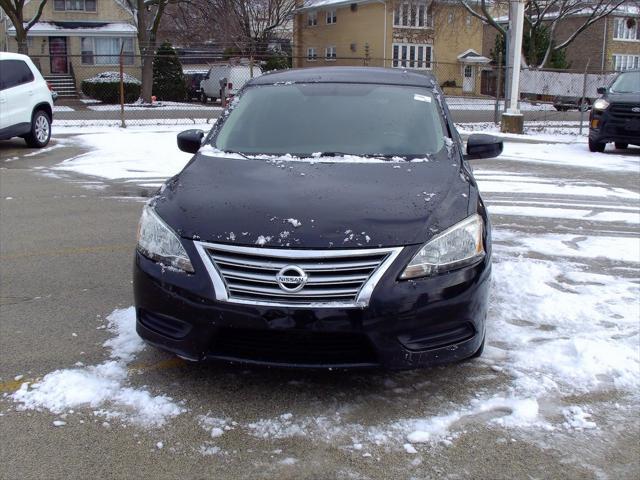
(614, 126)
(407, 323)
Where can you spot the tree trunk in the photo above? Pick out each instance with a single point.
(21, 38)
(147, 76)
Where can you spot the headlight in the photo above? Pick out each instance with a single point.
(455, 247)
(158, 242)
(600, 104)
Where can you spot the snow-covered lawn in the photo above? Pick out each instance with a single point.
(159, 106)
(562, 327)
(487, 103)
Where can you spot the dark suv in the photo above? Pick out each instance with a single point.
(329, 219)
(615, 116)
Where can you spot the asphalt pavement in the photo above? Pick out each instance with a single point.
(66, 250)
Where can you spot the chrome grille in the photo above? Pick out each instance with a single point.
(335, 278)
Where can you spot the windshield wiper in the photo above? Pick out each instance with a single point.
(239, 153)
(342, 154)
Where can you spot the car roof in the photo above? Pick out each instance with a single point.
(376, 75)
(13, 56)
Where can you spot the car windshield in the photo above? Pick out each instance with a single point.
(334, 119)
(628, 82)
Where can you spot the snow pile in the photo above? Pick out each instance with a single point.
(102, 385)
(132, 154)
(110, 77)
(541, 309)
(507, 412)
(577, 418)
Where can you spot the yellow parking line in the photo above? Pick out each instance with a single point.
(11, 386)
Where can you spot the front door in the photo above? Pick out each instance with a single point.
(469, 79)
(58, 55)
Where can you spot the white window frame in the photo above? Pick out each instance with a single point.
(622, 33)
(625, 61)
(330, 54)
(312, 55)
(414, 14)
(416, 56)
(332, 17)
(127, 55)
(312, 19)
(69, 4)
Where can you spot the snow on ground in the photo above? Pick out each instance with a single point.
(487, 103)
(104, 387)
(161, 105)
(563, 318)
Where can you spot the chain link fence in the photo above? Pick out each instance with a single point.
(89, 91)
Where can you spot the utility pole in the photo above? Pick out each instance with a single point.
(512, 119)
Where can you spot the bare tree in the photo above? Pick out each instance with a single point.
(548, 15)
(250, 24)
(148, 14)
(15, 11)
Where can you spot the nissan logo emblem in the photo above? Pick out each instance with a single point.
(291, 278)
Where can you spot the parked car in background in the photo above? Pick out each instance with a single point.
(615, 116)
(26, 103)
(234, 76)
(192, 81)
(369, 247)
(564, 103)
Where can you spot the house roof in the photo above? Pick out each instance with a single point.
(471, 56)
(71, 29)
(375, 75)
(314, 4)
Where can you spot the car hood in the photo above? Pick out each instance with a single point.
(314, 204)
(623, 97)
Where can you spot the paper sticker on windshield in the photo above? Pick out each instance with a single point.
(422, 98)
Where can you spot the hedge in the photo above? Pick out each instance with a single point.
(106, 87)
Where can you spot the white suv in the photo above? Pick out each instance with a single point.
(26, 105)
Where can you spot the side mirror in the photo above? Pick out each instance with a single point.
(483, 146)
(190, 140)
(602, 90)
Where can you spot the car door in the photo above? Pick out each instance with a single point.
(17, 86)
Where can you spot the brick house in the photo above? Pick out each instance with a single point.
(416, 34)
(610, 44)
(76, 39)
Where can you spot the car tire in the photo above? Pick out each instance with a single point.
(621, 146)
(40, 132)
(584, 105)
(596, 146)
(478, 352)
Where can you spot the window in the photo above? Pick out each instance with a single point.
(622, 32)
(106, 50)
(14, 73)
(411, 55)
(331, 17)
(312, 19)
(75, 5)
(311, 54)
(412, 15)
(626, 62)
(330, 53)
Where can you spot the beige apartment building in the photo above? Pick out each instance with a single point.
(76, 39)
(436, 36)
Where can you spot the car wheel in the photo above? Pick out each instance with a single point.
(40, 132)
(584, 105)
(621, 146)
(596, 146)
